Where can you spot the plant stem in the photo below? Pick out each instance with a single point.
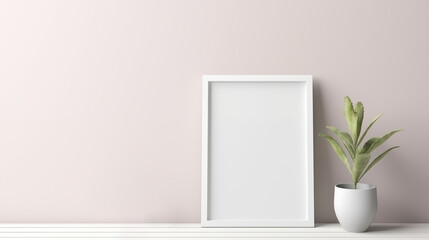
(355, 185)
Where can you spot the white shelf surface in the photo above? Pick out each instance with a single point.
(195, 232)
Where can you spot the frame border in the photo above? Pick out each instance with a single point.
(207, 79)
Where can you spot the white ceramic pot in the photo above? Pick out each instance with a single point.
(355, 208)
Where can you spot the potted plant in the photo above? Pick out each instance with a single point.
(355, 204)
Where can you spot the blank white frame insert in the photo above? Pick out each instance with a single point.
(257, 151)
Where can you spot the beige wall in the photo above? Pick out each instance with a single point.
(100, 101)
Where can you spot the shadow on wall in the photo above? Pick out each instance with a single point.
(323, 189)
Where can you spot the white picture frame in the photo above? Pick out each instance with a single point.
(257, 151)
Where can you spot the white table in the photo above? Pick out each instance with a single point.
(195, 232)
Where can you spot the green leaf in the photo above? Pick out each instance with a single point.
(359, 119)
(337, 148)
(346, 139)
(354, 118)
(368, 144)
(367, 129)
(381, 140)
(349, 114)
(359, 166)
(376, 160)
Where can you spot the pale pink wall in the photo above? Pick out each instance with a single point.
(100, 101)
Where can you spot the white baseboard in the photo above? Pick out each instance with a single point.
(195, 232)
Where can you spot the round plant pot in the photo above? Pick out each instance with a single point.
(355, 208)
